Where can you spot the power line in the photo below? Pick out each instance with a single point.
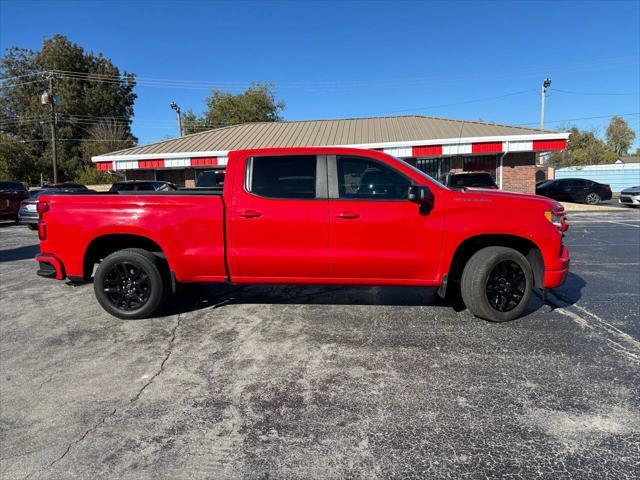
(595, 93)
(334, 85)
(582, 118)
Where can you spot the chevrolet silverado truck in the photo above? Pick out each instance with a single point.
(318, 216)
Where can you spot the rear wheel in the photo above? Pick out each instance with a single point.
(131, 283)
(592, 198)
(496, 284)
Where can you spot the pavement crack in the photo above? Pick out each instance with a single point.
(71, 444)
(169, 351)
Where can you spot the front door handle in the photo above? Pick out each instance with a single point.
(348, 215)
(249, 214)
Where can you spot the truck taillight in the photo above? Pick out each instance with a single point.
(42, 230)
(42, 207)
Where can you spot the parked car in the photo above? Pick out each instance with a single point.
(211, 179)
(11, 194)
(308, 216)
(576, 190)
(142, 185)
(28, 213)
(469, 179)
(630, 196)
(64, 186)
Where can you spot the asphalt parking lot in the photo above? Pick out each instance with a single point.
(290, 382)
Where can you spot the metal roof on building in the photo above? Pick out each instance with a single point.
(366, 132)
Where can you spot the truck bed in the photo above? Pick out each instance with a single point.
(188, 226)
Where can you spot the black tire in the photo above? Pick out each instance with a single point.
(592, 198)
(32, 226)
(131, 283)
(483, 290)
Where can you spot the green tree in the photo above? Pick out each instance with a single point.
(583, 148)
(256, 104)
(88, 87)
(619, 135)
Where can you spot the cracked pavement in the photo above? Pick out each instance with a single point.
(309, 382)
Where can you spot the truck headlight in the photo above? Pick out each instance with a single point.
(557, 218)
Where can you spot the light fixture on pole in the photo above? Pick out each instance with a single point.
(174, 106)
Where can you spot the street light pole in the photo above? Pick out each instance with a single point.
(175, 107)
(48, 97)
(545, 86)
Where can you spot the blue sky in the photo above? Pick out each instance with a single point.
(349, 59)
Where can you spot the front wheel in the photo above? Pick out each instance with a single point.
(497, 283)
(130, 284)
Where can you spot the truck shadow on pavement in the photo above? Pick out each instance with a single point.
(19, 253)
(193, 297)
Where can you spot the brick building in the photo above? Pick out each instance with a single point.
(434, 145)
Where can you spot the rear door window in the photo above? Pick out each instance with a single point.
(289, 176)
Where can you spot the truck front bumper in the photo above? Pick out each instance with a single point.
(50, 266)
(555, 278)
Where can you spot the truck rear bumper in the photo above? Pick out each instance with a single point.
(50, 267)
(555, 278)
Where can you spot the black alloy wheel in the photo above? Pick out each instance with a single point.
(497, 283)
(505, 286)
(127, 286)
(131, 283)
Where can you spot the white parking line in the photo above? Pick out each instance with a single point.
(620, 223)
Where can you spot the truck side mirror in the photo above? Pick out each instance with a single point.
(423, 197)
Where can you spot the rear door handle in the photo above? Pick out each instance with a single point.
(249, 214)
(348, 215)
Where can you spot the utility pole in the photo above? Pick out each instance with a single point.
(174, 106)
(48, 98)
(545, 86)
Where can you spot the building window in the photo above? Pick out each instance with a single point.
(436, 168)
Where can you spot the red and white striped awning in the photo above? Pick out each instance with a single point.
(415, 149)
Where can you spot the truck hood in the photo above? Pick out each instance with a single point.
(507, 199)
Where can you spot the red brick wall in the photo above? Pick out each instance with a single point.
(519, 172)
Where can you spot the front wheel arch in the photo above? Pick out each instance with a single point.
(470, 246)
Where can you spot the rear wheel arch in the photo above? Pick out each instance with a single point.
(472, 245)
(104, 245)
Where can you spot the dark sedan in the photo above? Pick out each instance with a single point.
(143, 186)
(11, 194)
(577, 190)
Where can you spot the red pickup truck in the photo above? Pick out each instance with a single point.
(308, 216)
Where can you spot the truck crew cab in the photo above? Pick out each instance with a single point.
(322, 216)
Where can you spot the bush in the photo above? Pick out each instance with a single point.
(91, 176)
